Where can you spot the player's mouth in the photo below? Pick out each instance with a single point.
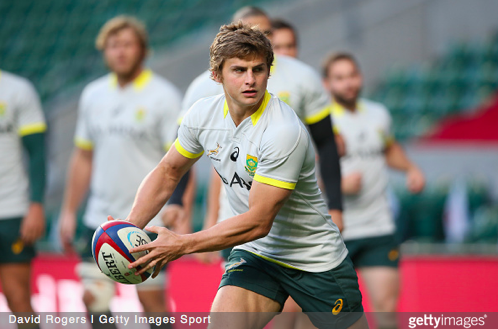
(250, 93)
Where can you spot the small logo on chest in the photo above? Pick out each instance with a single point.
(215, 151)
(251, 165)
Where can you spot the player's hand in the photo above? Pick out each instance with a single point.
(67, 223)
(173, 215)
(351, 184)
(337, 218)
(167, 247)
(208, 257)
(33, 224)
(415, 180)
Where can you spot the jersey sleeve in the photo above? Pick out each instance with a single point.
(387, 135)
(316, 101)
(187, 142)
(83, 137)
(168, 119)
(30, 119)
(281, 159)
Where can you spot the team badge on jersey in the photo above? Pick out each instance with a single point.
(140, 115)
(284, 97)
(251, 165)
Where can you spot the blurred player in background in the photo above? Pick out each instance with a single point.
(127, 119)
(285, 242)
(22, 218)
(369, 229)
(284, 38)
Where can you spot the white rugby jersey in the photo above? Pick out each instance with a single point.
(20, 115)
(128, 130)
(366, 132)
(273, 147)
(294, 82)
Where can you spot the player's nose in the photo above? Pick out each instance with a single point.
(250, 79)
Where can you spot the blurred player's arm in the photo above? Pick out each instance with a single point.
(32, 128)
(33, 225)
(330, 169)
(158, 186)
(77, 183)
(396, 158)
(265, 201)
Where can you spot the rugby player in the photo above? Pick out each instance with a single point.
(285, 242)
(22, 218)
(370, 148)
(126, 122)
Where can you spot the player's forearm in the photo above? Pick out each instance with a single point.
(330, 168)
(231, 232)
(154, 191)
(35, 145)
(396, 158)
(78, 180)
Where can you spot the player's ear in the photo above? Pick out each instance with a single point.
(217, 77)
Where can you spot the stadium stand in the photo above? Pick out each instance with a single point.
(420, 96)
(52, 42)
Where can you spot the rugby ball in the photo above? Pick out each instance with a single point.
(111, 246)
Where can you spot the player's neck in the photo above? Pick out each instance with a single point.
(350, 106)
(240, 112)
(124, 79)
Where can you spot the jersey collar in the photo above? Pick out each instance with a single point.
(256, 115)
(138, 84)
(338, 109)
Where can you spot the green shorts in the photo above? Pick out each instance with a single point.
(12, 249)
(333, 296)
(375, 251)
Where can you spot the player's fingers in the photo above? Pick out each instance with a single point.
(146, 267)
(109, 218)
(153, 229)
(157, 270)
(142, 260)
(144, 247)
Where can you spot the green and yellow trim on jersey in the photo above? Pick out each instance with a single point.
(274, 182)
(256, 115)
(83, 144)
(32, 128)
(319, 116)
(139, 83)
(184, 152)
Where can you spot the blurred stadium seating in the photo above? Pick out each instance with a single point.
(421, 95)
(52, 42)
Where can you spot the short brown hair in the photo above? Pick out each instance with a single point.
(238, 40)
(119, 23)
(335, 57)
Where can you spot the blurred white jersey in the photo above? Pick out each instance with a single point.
(128, 130)
(366, 132)
(20, 115)
(272, 147)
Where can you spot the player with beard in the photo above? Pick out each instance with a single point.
(126, 122)
(370, 148)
